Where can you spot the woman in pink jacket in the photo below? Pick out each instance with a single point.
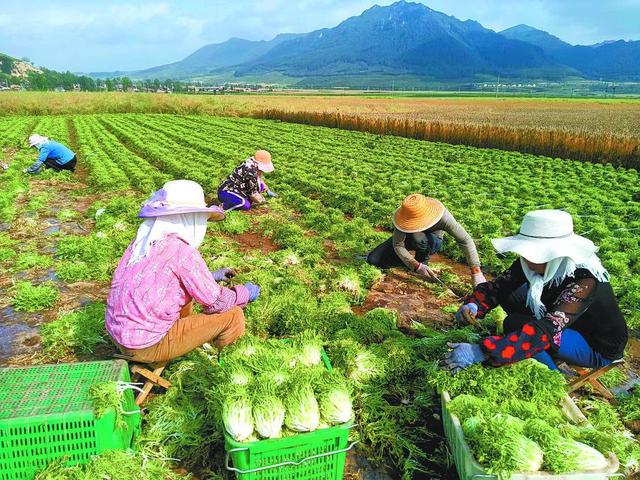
(149, 309)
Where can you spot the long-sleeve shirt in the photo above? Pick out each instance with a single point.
(244, 180)
(146, 297)
(446, 224)
(580, 302)
(55, 151)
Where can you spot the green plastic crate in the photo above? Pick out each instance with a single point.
(469, 469)
(45, 414)
(318, 455)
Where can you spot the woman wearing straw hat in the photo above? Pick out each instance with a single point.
(149, 306)
(558, 300)
(51, 154)
(246, 183)
(419, 225)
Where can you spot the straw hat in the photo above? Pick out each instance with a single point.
(263, 159)
(545, 235)
(179, 196)
(417, 213)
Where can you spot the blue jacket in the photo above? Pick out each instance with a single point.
(55, 151)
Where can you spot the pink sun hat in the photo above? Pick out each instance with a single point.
(176, 197)
(263, 159)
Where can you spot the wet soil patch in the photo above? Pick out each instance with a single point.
(251, 241)
(412, 298)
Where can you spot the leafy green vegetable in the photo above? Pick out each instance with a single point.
(308, 346)
(75, 333)
(334, 397)
(500, 446)
(106, 397)
(237, 416)
(268, 412)
(31, 298)
(302, 410)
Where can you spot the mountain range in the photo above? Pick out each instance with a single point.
(407, 41)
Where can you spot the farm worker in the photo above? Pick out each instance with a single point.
(557, 296)
(52, 155)
(419, 225)
(149, 308)
(246, 183)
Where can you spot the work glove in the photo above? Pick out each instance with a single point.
(33, 168)
(425, 272)
(271, 194)
(478, 278)
(463, 355)
(466, 314)
(223, 274)
(254, 291)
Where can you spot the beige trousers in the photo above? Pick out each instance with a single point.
(189, 332)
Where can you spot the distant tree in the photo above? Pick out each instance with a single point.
(156, 84)
(109, 84)
(126, 83)
(87, 84)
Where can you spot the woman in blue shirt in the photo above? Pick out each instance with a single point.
(52, 155)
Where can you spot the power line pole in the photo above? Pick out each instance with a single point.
(497, 86)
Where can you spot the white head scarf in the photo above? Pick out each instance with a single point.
(37, 141)
(555, 272)
(191, 227)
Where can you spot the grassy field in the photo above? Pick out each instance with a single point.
(337, 189)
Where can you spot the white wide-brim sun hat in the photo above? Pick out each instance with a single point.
(176, 197)
(545, 235)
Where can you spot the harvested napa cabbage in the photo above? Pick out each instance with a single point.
(498, 443)
(553, 444)
(237, 374)
(308, 348)
(302, 410)
(334, 398)
(237, 416)
(268, 411)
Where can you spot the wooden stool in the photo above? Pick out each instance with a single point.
(591, 375)
(151, 374)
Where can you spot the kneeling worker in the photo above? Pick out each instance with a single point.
(419, 224)
(246, 184)
(52, 155)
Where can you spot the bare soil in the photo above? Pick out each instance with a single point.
(413, 299)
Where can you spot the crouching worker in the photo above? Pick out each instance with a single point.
(246, 184)
(52, 155)
(419, 224)
(149, 308)
(557, 296)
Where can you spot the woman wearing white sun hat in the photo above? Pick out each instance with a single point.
(558, 300)
(149, 308)
(246, 183)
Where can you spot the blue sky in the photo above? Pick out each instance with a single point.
(82, 35)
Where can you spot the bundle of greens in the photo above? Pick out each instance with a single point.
(513, 421)
(271, 389)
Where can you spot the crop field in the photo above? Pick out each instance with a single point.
(595, 130)
(62, 235)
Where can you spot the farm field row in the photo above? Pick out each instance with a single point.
(328, 173)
